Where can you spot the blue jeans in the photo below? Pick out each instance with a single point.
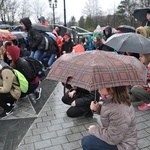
(91, 142)
(39, 55)
(51, 59)
(47, 62)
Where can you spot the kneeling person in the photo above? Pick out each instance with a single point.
(9, 91)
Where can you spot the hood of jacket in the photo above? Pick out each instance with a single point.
(109, 30)
(89, 38)
(27, 23)
(141, 30)
(147, 29)
(14, 52)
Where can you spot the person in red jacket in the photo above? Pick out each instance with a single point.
(59, 39)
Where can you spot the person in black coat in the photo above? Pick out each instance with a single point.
(80, 100)
(35, 39)
(146, 22)
(67, 46)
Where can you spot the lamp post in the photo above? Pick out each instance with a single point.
(53, 5)
(65, 13)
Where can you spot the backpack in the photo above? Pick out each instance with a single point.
(23, 83)
(36, 65)
(26, 69)
(48, 44)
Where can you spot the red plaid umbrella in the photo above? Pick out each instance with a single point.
(96, 69)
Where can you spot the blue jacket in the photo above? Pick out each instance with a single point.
(90, 45)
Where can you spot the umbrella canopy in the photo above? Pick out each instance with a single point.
(41, 27)
(99, 30)
(5, 26)
(19, 34)
(126, 28)
(140, 14)
(129, 42)
(96, 69)
(6, 35)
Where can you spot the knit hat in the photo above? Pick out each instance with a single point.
(66, 36)
(14, 52)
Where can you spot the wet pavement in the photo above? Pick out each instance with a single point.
(43, 125)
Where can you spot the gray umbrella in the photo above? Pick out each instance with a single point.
(41, 27)
(19, 34)
(129, 42)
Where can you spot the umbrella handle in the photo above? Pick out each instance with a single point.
(66, 84)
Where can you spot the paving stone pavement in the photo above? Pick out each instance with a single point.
(53, 130)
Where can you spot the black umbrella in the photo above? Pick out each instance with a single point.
(41, 27)
(5, 26)
(129, 42)
(140, 14)
(126, 28)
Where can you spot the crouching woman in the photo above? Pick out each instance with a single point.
(118, 130)
(9, 91)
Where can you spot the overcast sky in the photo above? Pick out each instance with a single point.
(74, 7)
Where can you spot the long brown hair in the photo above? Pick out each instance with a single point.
(120, 95)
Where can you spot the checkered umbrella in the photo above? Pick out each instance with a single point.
(96, 69)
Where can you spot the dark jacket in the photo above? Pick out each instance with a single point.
(34, 36)
(146, 23)
(109, 30)
(50, 43)
(67, 46)
(24, 67)
(19, 63)
(86, 97)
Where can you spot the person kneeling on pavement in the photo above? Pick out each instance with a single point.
(80, 100)
(9, 90)
(34, 91)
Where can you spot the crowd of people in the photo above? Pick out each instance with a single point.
(116, 110)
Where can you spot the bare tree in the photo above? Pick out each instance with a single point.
(8, 11)
(92, 8)
(38, 8)
(2, 3)
(125, 11)
(144, 3)
(24, 9)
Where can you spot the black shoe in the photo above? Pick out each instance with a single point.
(12, 106)
(6, 113)
(88, 114)
(38, 94)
